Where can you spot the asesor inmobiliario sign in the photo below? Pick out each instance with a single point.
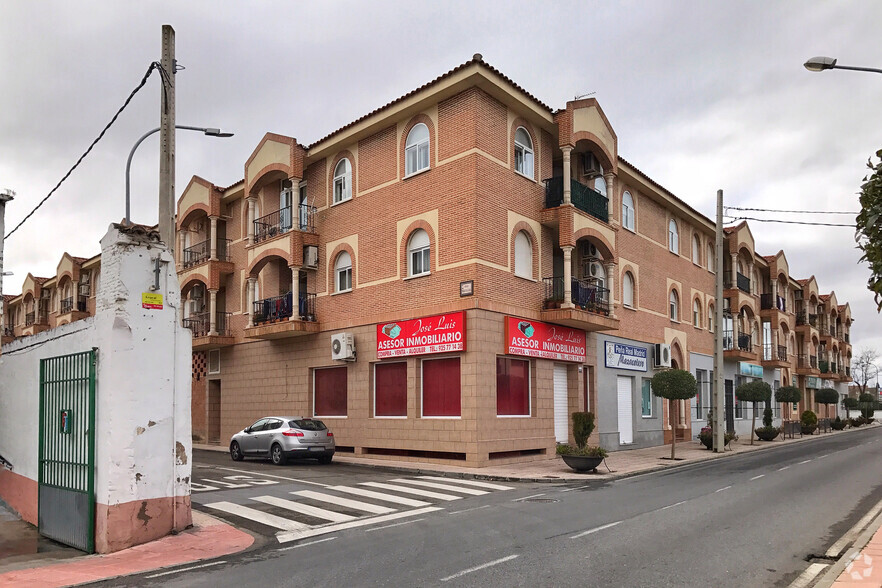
(433, 334)
(537, 339)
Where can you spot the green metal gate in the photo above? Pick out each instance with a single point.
(66, 478)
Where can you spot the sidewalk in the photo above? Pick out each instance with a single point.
(861, 565)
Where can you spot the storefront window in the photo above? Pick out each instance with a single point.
(330, 392)
(390, 389)
(441, 387)
(512, 387)
(646, 403)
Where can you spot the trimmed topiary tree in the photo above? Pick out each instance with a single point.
(827, 396)
(583, 424)
(755, 391)
(867, 404)
(674, 385)
(809, 422)
(850, 403)
(788, 395)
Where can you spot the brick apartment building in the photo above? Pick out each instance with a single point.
(450, 276)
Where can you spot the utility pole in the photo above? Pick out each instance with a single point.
(5, 196)
(719, 402)
(167, 140)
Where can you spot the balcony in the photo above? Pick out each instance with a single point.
(807, 365)
(69, 305)
(769, 302)
(775, 356)
(828, 369)
(591, 308)
(201, 252)
(274, 317)
(584, 198)
(36, 322)
(738, 348)
(281, 221)
(200, 325)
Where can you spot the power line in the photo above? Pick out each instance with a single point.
(772, 220)
(154, 65)
(790, 211)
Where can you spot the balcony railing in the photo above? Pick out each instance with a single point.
(586, 294)
(69, 305)
(801, 318)
(824, 366)
(743, 283)
(282, 221)
(807, 362)
(813, 320)
(782, 353)
(584, 198)
(200, 324)
(196, 254)
(768, 302)
(280, 307)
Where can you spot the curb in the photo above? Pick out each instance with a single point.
(836, 570)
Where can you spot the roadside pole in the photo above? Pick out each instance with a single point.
(167, 141)
(5, 196)
(719, 405)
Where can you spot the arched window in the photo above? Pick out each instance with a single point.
(673, 237)
(696, 314)
(710, 318)
(343, 272)
(416, 149)
(627, 211)
(342, 181)
(418, 253)
(711, 257)
(628, 290)
(675, 306)
(696, 250)
(600, 184)
(523, 155)
(523, 255)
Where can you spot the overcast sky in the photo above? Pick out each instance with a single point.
(702, 95)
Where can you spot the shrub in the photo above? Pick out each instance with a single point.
(867, 404)
(588, 451)
(767, 433)
(808, 422)
(838, 424)
(706, 436)
(583, 424)
(767, 417)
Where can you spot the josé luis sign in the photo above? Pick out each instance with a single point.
(625, 357)
(536, 339)
(433, 334)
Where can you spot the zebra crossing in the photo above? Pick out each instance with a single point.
(307, 513)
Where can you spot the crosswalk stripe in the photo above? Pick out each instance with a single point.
(467, 482)
(324, 530)
(320, 513)
(345, 502)
(380, 496)
(415, 491)
(259, 516)
(437, 486)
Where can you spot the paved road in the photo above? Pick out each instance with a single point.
(748, 520)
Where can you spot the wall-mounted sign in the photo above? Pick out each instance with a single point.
(625, 357)
(750, 370)
(467, 288)
(537, 339)
(151, 300)
(433, 334)
(812, 382)
(66, 416)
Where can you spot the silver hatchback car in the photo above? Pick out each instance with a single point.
(281, 438)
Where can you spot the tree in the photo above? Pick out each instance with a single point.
(788, 395)
(755, 391)
(864, 368)
(869, 227)
(850, 403)
(867, 403)
(674, 385)
(827, 396)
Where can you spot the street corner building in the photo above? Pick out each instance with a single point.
(449, 277)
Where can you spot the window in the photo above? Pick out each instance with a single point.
(418, 253)
(416, 150)
(441, 387)
(701, 376)
(214, 361)
(600, 184)
(628, 290)
(711, 257)
(343, 272)
(342, 181)
(329, 389)
(673, 237)
(390, 389)
(696, 250)
(523, 154)
(523, 255)
(646, 403)
(627, 211)
(710, 318)
(696, 314)
(675, 306)
(512, 387)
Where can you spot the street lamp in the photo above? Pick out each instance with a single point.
(210, 131)
(822, 63)
(5, 196)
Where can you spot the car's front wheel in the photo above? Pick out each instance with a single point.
(236, 452)
(277, 455)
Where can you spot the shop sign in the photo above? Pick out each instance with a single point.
(750, 370)
(812, 382)
(433, 334)
(537, 339)
(625, 357)
(151, 300)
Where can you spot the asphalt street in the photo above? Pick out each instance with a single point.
(747, 520)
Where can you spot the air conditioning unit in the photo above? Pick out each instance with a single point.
(727, 307)
(84, 290)
(343, 346)
(590, 166)
(662, 356)
(196, 293)
(310, 256)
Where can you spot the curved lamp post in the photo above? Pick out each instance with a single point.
(822, 63)
(211, 132)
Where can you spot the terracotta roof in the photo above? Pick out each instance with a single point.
(477, 59)
(41, 280)
(662, 188)
(242, 181)
(770, 258)
(79, 259)
(729, 230)
(824, 296)
(8, 297)
(805, 281)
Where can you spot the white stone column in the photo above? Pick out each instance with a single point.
(734, 267)
(774, 343)
(568, 277)
(212, 313)
(252, 200)
(250, 309)
(567, 174)
(295, 294)
(610, 196)
(213, 238)
(611, 284)
(750, 278)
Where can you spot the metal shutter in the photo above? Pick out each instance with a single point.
(626, 423)
(561, 428)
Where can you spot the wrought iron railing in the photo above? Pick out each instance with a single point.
(813, 320)
(769, 302)
(196, 254)
(728, 341)
(743, 283)
(782, 353)
(814, 361)
(586, 294)
(69, 305)
(801, 318)
(824, 366)
(281, 307)
(200, 324)
(584, 198)
(301, 218)
(30, 318)
(744, 343)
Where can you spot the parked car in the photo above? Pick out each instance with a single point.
(281, 438)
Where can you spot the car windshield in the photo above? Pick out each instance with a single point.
(307, 425)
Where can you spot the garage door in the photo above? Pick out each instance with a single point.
(561, 430)
(626, 422)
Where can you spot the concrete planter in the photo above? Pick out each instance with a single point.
(582, 463)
